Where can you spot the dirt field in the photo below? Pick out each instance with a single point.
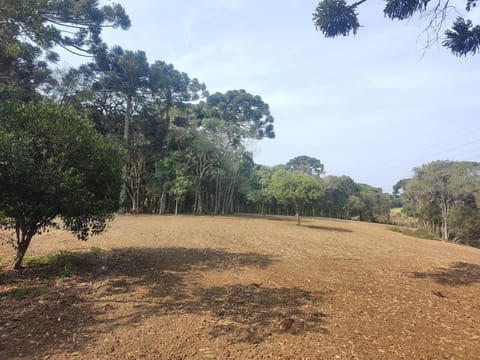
(242, 288)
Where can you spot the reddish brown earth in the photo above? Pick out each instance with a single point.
(243, 288)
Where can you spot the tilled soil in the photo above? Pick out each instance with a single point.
(166, 287)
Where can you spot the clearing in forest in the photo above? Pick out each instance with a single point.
(167, 287)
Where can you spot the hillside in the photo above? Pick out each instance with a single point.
(241, 287)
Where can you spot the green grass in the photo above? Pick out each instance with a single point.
(22, 293)
(95, 250)
(64, 264)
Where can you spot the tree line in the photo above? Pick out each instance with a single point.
(123, 134)
(443, 197)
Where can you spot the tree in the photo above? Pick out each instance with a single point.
(125, 75)
(336, 17)
(295, 189)
(245, 115)
(30, 27)
(180, 187)
(336, 200)
(377, 204)
(306, 165)
(202, 157)
(171, 87)
(256, 190)
(71, 24)
(464, 221)
(54, 164)
(441, 186)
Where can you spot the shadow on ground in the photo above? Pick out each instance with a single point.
(459, 273)
(328, 228)
(63, 306)
(282, 218)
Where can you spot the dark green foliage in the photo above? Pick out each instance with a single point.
(172, 87)
(339, 199)
(403, 9)
(463, 38)
(22, 73)
(335, 17)
(400, 187)
(471, 4)
(294, 189)
(245, 115)
(53, 163)
(71, 24)
(125, 71)
(306, 165)
(444, 195)
(464, 221)
(399, 197)
(30, 28)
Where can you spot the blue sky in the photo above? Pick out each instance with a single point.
(371, 106)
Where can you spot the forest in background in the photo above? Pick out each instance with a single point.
(185, 149)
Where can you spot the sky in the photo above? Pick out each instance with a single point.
(372, 107)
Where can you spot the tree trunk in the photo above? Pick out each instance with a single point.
(195, 202)
(23, 242)
(217, 194)
(134, 205)
(161, 208)
(445, 208)
(123, 191)
(298, 217)
(176, 206)
(126, 134)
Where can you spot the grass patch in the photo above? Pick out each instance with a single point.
(95, 250)
(22, 293)
(64, 264)
(419, 233)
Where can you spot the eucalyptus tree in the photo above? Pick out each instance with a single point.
(442, 186)
(233, 118)
(180, 187)
(202, 157)
(337, 17)
(464, 221)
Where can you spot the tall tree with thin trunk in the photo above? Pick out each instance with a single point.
(125, 76)
(444, 184)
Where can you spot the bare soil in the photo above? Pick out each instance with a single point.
(166, 287)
